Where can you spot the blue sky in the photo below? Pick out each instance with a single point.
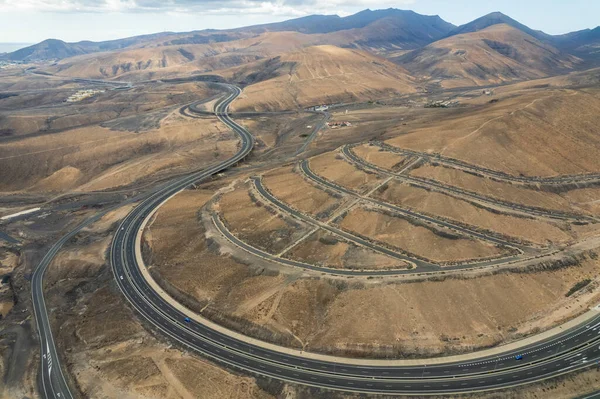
(72, 20)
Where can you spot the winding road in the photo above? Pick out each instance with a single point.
(53, 383)
(571, 350)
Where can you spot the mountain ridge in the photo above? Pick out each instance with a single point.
(497, 54)
(427, 46)
(411, 30)
(495, 18)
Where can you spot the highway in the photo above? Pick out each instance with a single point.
(52, 380)
(574, 349)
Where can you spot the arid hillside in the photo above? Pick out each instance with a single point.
(170, 54)
(98, 158)
(373, 29)
(544, 133)
(497, 54)
(378, 186)
(479, 195)
(113, 138)
(156, 62)
(285, 65)
(320, 75)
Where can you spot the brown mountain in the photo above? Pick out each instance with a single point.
(54, 49)
(584, 44)
(496, 18)
(497, 54)
(388, 28)
(171, 55)
(166, 61)
(318, 75)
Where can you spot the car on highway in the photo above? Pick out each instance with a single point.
(187, 320)
(519, 357)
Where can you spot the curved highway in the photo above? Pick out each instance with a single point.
(52, 381)
(574, 349)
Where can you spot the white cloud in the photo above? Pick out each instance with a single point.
(222, 7)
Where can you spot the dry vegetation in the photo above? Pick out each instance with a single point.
(329, 315)
(322, 74)
(430, 202)
(252, 222)
(333, 167)
(494, 55)
(416, 239)
(378, 157)
(515, 193)
(322, 248)
(99, 158)
(292, 189)
(543, 133)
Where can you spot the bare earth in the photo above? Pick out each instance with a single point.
(444, 205)
(415, 239)
(329, 315)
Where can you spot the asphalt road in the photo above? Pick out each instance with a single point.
(272, 200)
(591, 396)
(314, 133)
(465, 195)
(423, 266)
(574, 349)
(7, 238)
(414, 215)
(52, 380)
(479, 170)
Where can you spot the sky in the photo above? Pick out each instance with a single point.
(31, 21)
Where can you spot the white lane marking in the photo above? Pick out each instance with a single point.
(49, 358)
(573, 356)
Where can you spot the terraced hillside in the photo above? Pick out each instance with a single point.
(396, 233)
